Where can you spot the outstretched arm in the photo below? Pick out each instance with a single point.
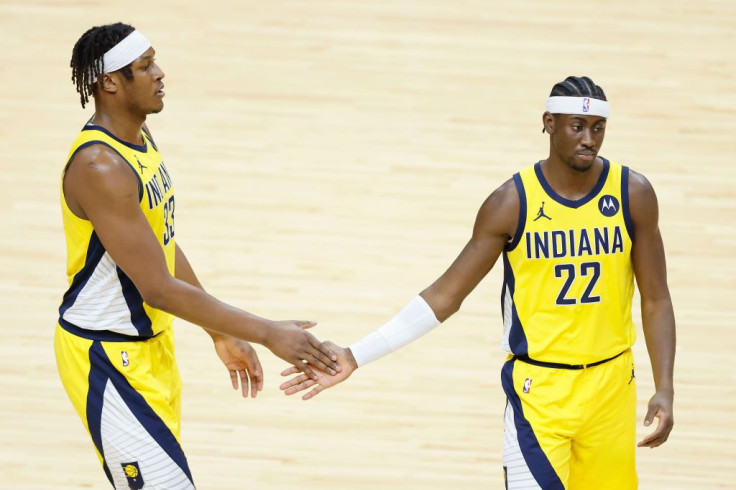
(658, 317)
(494, 226)
(100, 187)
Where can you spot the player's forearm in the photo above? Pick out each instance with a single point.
(185, 272)
(183, 269)
(193, 304)
(414, 320)
(658, 320)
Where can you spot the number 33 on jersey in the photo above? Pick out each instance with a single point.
(568, 275)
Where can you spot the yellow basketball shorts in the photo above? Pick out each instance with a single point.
(571, 429)
(128, 395)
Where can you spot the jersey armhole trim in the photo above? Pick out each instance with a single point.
(522, 214)
(98, 142)
(625, 201)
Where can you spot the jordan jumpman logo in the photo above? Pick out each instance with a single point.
(140, 165)
(540, 213)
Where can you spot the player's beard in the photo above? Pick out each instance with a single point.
(578, 167)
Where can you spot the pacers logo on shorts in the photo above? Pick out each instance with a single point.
(133, 474)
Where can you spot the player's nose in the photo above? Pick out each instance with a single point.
(587, 138)
(159, 73)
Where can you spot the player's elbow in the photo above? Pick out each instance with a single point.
(450, 308)
(159, 294)
(651, 304)
(154, 299)
(443, 305)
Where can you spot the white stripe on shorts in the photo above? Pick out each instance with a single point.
(125, 440)
(518, 475)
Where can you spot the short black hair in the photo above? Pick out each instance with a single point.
(578, 87)
(87, 56)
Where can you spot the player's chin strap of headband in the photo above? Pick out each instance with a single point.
(125, 52)
(584, 106)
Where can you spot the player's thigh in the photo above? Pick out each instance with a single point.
(604, 452)
(128, 396)
(138, 418)
(150, 368)
(539, 420)
(73, 365)
(527, 467)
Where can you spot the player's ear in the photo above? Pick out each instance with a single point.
(548, 123)
(109, 83)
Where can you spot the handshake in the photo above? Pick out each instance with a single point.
(322, 379)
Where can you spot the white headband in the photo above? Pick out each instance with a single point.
(585, 106)
(125, 52)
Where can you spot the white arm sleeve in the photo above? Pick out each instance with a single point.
(416, 319)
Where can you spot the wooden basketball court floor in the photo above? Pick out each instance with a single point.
(329, 158)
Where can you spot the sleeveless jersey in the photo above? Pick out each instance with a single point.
(568, 275)
(102, 303)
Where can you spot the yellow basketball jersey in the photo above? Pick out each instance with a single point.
(102, 303)
(568, 275)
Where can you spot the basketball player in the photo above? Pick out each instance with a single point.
(574, 230)
(128, 277)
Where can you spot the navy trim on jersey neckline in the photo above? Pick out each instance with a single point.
(567, 202)
(150, 139)
(141, 148)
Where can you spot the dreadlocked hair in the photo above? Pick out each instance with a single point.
(578, 87)
(86, 63)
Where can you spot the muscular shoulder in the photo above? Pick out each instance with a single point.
(499, 214)
(642, 199)
(96, 173)
(639, 184)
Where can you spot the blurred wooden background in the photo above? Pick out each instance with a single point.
(329, 158)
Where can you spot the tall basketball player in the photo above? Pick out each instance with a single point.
(128, 277)
(574, 230)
